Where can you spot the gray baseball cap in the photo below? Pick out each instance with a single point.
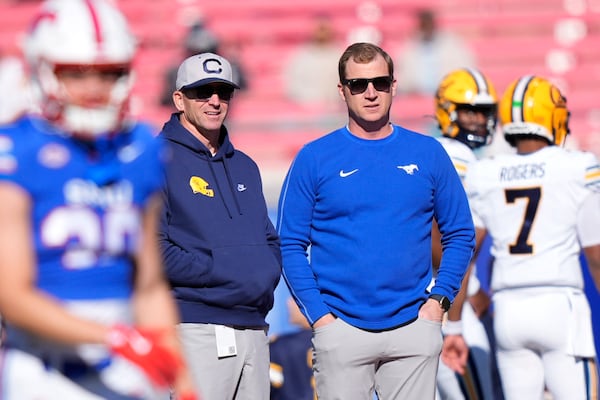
(202, 69)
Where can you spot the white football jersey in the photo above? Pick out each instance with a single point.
(530, 206)
(460, 154)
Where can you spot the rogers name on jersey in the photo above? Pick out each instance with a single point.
(82, 192)
(522, 171)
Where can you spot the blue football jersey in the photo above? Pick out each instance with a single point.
(87, 201)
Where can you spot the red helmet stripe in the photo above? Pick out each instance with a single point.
(39, 18)
(96, 23)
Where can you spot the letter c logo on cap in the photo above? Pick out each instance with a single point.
(209, 68)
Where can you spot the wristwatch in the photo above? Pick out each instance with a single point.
(442, 300)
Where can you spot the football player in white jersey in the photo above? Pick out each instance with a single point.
(88, 313)
(541, 207)
(466, 112)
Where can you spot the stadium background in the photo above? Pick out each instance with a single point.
(559, 39)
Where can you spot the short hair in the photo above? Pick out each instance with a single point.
(363, 53)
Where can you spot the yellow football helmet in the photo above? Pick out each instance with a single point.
(534, 106)
(467, 88)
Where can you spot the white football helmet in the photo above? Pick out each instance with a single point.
(86, 33)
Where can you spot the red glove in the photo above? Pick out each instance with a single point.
(143, 348)
(188, 396)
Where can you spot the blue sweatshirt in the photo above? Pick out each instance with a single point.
(365, 208)
(220, 248)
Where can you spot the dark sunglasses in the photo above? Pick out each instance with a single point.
(359, 85)
(205, 92)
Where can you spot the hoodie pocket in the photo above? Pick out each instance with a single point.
(244, 275)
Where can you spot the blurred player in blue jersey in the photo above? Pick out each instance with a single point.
(541, 208)
(88, 313)
(466, 112)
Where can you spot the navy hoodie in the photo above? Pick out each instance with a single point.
(219, 246)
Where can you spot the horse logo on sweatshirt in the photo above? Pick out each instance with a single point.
(199, 185)
(409, 169)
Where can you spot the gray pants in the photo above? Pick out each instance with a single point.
(244, 376)
(350, 363)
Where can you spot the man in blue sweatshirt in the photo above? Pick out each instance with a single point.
(363, 199)
(220, 248)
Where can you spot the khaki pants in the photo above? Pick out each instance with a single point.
(244, 376)
(398, 364)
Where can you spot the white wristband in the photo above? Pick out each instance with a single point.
(452, 328)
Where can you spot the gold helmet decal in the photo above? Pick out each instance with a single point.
(534, 106)
(199, 185)
(470, 88)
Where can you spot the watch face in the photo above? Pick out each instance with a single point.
(443, 300)
(445, 303)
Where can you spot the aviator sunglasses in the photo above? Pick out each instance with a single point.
(359, 85)
(205, 92)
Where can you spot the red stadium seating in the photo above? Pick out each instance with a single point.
(510, 38)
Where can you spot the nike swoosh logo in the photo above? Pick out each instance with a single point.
(345, 174)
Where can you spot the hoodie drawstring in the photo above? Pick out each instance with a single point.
(230, 181)
(214, 176)
(230, 184)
